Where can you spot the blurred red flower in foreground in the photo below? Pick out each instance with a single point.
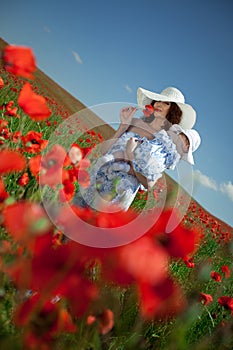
(25, 220)
(104, 319)
(180, 242)
(19, 60)
(52, 163)
(142, 260)
(161, 300)
(11, 161)
(3, 193)
(1, 83)
(32, 104)
(43, 321)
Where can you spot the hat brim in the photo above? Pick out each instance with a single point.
(188, 157)
(188, 118)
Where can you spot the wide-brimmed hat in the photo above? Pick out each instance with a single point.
(170, 94)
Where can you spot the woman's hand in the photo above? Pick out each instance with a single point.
(126, 115)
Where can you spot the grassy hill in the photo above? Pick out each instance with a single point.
(72, 105)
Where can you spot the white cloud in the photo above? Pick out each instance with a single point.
(77, 57)
(128, 88)
(46, 29)
(204, 180)
(227, 188)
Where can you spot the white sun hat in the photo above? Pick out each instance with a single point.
(194, 141)
(170, 94)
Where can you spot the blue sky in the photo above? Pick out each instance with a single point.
(102, 51)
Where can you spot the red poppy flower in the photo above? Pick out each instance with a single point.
(52, 172)
(106, 321)
(225, 269)
(25, 311)
(226, 302)
(3, 124)
(56, 271)
(78, 291)
(142, 260)
(67, 192)
(23, 180)
(206, 298)
(3, 193)
(161, 300)
(32, 104)
(90, 320)
(11, 161)
(19, 60)
(25, 220)
(189, 262)
(83, 178)
(1, 83)
(56, 320)
(148, 110)
(16, 136)
(10, 110)
(215, 276)
(4, 131)
(64, 323)
(181, 241)
(34, 165)
(33, 142)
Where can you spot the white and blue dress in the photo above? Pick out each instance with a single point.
(110, 180)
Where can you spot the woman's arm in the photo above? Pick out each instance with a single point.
(126, 116)
(142, 179)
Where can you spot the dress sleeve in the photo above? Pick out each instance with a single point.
(152, 157)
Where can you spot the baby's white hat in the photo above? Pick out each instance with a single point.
(194, 141)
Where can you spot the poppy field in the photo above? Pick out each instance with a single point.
(161, 291)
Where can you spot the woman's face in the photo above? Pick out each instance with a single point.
(161, 108)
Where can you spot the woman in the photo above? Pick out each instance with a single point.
(110, 182)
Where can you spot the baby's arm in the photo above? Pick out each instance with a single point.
(130, 148)
(126, 154)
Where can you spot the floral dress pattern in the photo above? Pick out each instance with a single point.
(110, 180)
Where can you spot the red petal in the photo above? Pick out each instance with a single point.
(11, 161)
(32, 104)
(19, 60)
